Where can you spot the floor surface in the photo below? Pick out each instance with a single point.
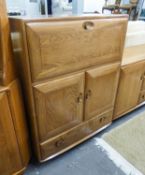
(85, 159)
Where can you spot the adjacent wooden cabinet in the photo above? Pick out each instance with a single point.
(10, 160)
(14, 141)
(69, 68)
(129, 89)
(59, 47)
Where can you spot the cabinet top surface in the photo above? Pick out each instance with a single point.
(66, 17)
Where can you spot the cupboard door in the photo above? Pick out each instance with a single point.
(10, 161)
(59, 105)
(129, 88)
(59, 47)
(101, 85)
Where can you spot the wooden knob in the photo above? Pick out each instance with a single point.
(88, 94)
(59, 143)
(80, 98)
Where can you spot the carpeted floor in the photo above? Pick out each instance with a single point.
(129, 140)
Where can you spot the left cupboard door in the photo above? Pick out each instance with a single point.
(10, 160)
(59, 105)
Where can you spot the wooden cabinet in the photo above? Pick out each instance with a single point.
(10, 160)
(69, 68)
(59, 105)
(14, 147)
(131, 79)
(101, 86)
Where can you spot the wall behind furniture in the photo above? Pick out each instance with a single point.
(93, 5)
(29, 7)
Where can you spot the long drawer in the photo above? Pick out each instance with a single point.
(61, 47)
(74, 136)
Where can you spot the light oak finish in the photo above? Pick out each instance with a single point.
(143, 84)
(54, 57)
(133, 54)
(59, 105)
(131, 79)
(74, 135)
(141, 97)
(14, 150)
(7, 71)
(60, 47)
(14, 142)
(100, 94)
(10, 160)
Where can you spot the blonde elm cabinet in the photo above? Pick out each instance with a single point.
(69, 67)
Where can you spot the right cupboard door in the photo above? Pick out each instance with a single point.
(101, 86)
(131, 79)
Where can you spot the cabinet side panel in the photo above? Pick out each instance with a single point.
(18, 116)
(22, 63)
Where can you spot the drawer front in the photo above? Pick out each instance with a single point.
(142, 97)
(71, 137)
(61, 47)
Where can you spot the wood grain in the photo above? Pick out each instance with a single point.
(14, 143)
(12, 109)
(52, 56)
(56, 47)
(72, 136)
(59, 105)
(10, 160)
(129, 87)
(7, 71)
(102, 84)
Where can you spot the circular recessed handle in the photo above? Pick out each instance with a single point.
(88, 25)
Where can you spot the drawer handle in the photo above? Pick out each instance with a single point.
(143, 96)
(88, 94)
(102, 119)
(142, 77)
(88, 25)
(59, 143)
(80, 98)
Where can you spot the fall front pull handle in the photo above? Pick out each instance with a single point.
(88, 25)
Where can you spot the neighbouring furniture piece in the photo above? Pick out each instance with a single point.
(130, 8)
(69, 67)
(111, 7)
(14, 142)
(131, 89)
(14, 151)
(118, 8)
